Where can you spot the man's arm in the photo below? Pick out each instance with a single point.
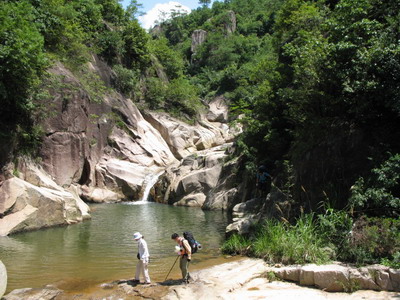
(188, 250)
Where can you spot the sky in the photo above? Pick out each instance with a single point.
(152, 9)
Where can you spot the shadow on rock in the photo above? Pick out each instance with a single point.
(171, 282)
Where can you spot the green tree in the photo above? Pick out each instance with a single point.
(22, 62)
(379, 194)
(112, 11)
(136, 50)
(181, 96)
(205, 2)
(170, 59)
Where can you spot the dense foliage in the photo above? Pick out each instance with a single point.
(317, 85)
(319, 239)
(318, 82)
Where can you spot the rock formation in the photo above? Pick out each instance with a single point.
(36, 201)
(101, 150)
(47, 293)
(198, 37)
(250, 212)
(190, 182)
(230, 25)
(342, 278)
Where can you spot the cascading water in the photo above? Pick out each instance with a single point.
(149, 181)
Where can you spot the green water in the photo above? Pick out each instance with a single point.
(103, 249)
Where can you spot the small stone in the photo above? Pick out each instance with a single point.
(107, 286)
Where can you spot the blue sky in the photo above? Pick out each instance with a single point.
(149, 4)
(152, 9)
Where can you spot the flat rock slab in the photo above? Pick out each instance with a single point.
(247, 279)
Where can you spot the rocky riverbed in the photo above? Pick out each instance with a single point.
(239, 279)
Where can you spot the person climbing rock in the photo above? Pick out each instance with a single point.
(143, 257)
(186, 256)
(263, 182)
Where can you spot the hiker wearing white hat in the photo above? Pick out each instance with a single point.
(143, 256)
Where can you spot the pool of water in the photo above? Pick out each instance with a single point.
(102, 249)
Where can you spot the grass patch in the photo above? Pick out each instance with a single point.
(321, 238)
(236, 244)
(278, 242)
(281, 242)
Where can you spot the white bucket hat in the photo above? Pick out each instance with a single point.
(137, 235)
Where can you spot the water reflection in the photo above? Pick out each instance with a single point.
(103, 249)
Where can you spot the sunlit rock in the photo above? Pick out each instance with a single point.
(25, 206)
(47, 293)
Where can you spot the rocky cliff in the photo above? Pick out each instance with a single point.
(102, 151)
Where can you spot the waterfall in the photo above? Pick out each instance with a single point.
(149, 181)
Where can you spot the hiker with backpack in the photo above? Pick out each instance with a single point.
(185, 254)
(263, 181)
(143, 256)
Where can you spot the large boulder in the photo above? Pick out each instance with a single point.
(244, 215)
(99, 195)
(218, 110)
(3, 279)
(331, 278)
(233, 187)
(24, 206)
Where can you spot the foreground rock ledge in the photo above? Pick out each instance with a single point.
(243, 279)
(248, 279)
(342, 278)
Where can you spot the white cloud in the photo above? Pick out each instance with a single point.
(161, 12)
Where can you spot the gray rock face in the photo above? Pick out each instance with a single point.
(198, 37)
(3, 279)
(190, 182)
(218, 110)
(230, 26)
(76, 131)
(245, 215)
(86, 143)
(184, 140)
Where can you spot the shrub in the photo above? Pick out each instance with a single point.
(373, 239)
(170, 59)
(110, 46)
(181, 96)
(155, 92)
(334, 226)
(379, 193)
(126, 80)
